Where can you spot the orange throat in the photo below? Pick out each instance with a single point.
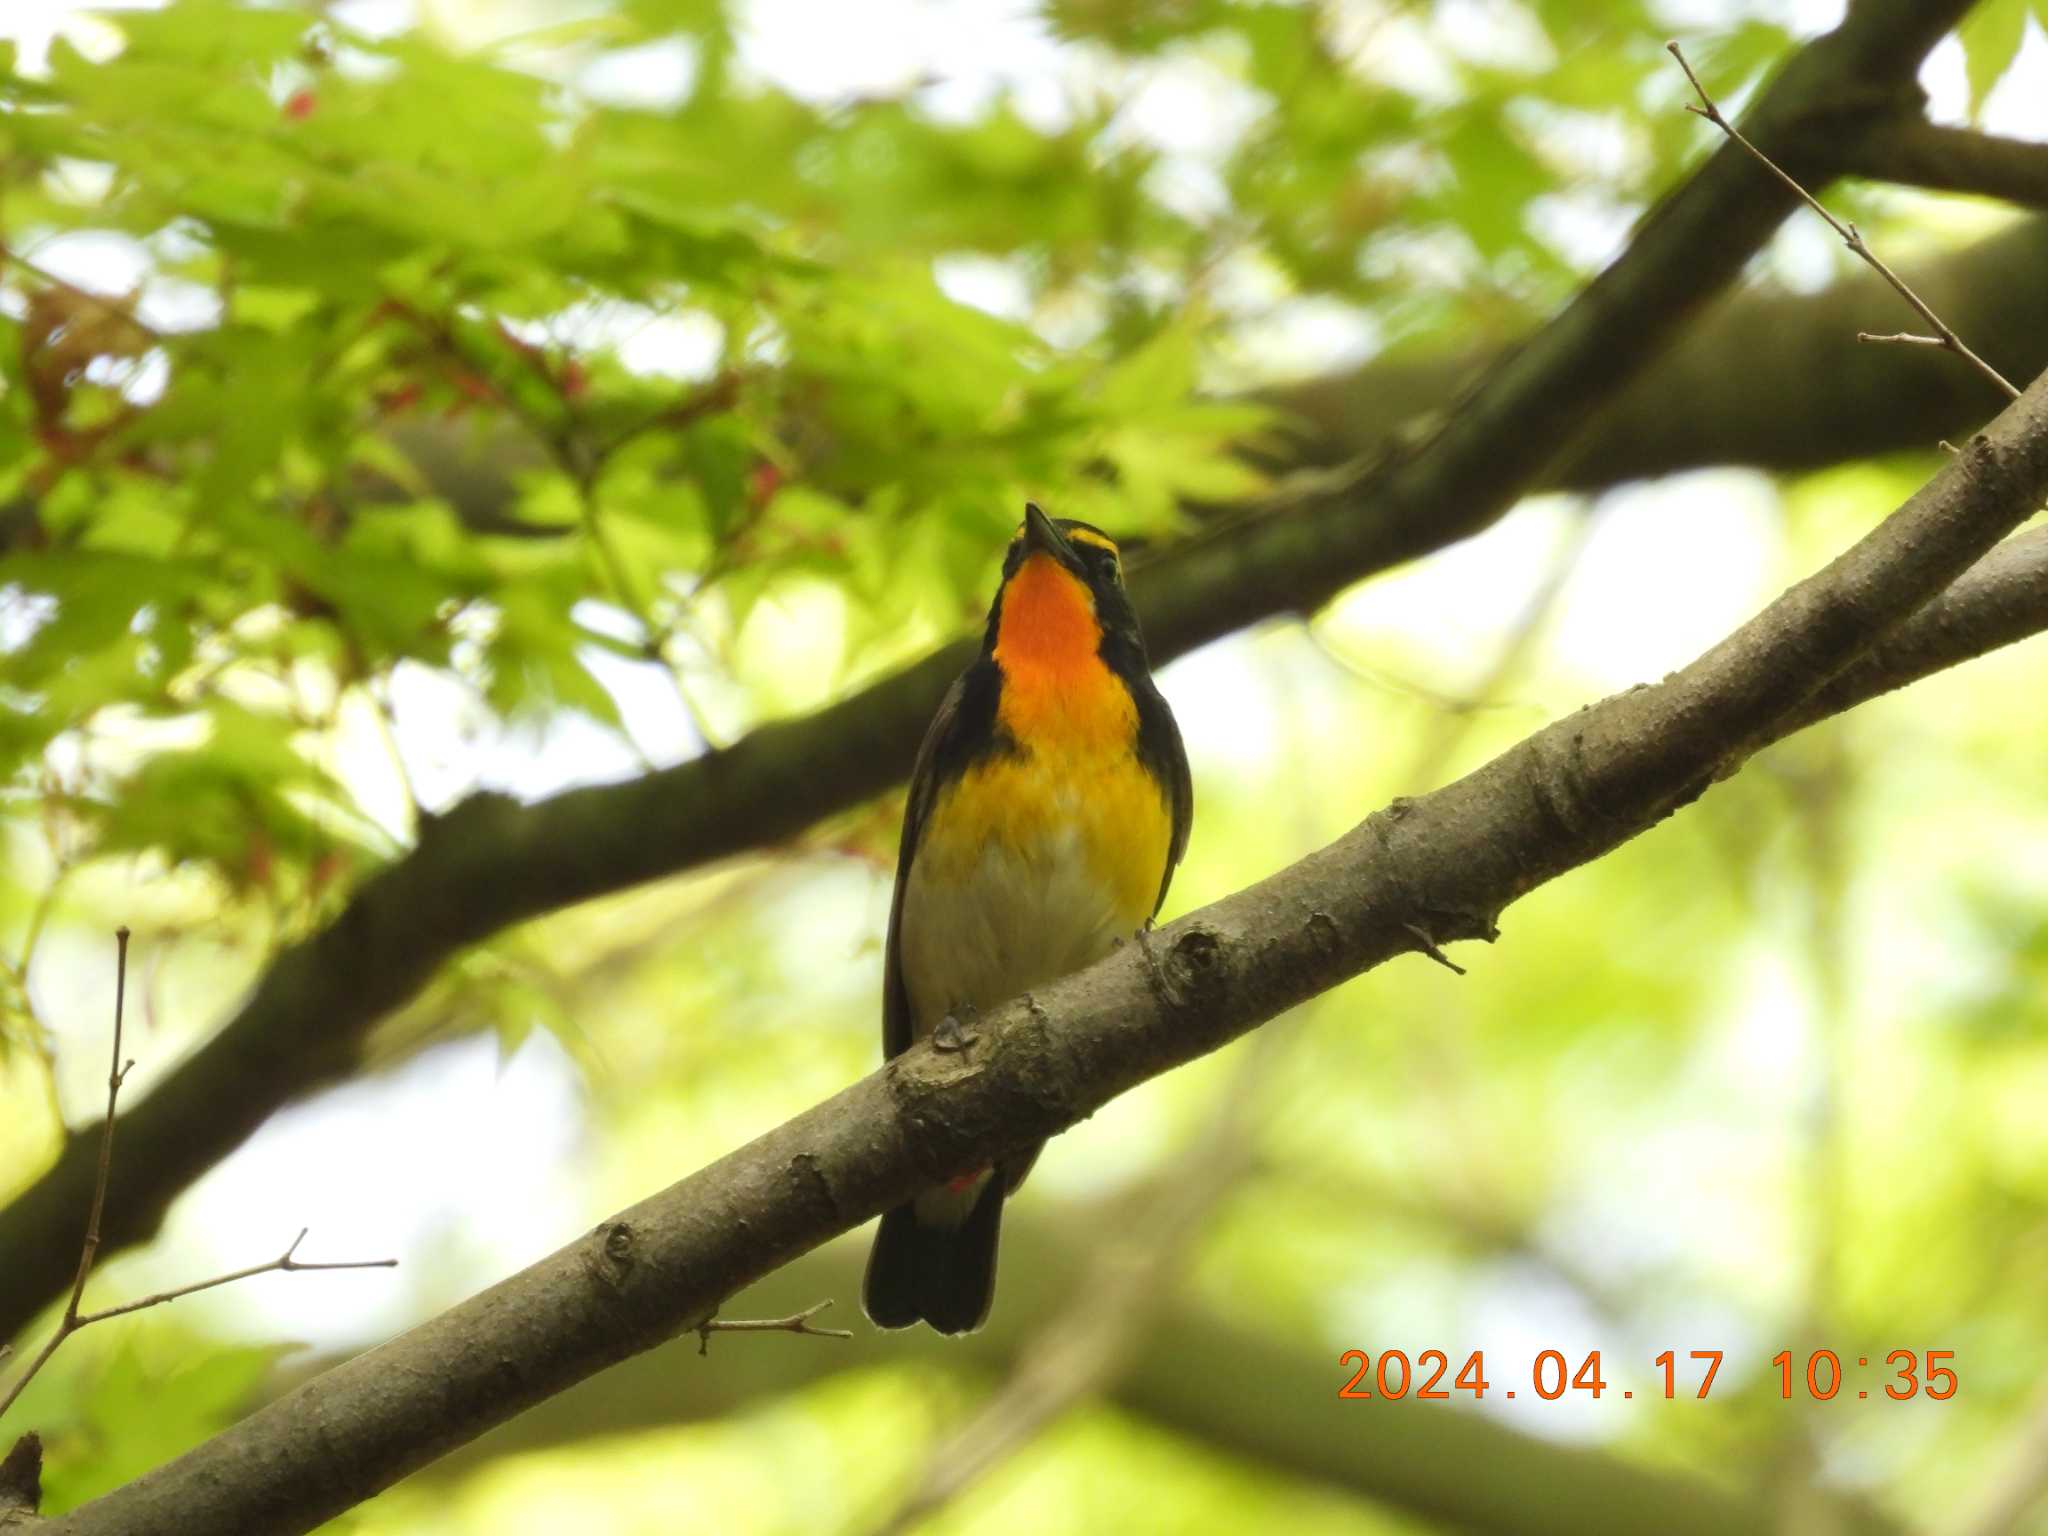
(1048, 619)
(1048, 641)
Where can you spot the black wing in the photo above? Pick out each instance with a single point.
(1159, 745)
(963, 729)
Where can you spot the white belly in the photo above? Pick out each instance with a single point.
(1015, 915)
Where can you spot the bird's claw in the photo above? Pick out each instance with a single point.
(951, 1036)
(1143, 932)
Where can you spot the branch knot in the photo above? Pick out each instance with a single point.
(614, 1258)
(1191, 968)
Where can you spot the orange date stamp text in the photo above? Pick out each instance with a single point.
(1821, 1376)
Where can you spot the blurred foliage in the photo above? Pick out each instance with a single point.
(518, 397)
(130, 1402)
(1991, 36)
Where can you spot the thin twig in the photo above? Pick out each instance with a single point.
(74, 1319)
(796, 1322)
(284, 1263)
(1852, 237)
(117, 1073)
(1429, 947)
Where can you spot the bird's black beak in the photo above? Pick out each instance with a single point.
(1041, 535)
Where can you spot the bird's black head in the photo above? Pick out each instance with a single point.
(1044, 545)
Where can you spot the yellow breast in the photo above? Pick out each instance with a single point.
(1051, 806)
(1036, 862)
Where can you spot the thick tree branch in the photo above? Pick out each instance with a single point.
(491, 863)
(1913, 152)
(1773, 380)
(2001, 599)
(1450, 862)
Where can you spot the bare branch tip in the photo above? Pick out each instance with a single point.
(1851, 236)
(796, 1322)
(1428, 946)
(1706, 109)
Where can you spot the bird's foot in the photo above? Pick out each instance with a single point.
(956, 1031)
(1144, 929)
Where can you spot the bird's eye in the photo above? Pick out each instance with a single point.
(1110, 567)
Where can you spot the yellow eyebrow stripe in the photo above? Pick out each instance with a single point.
(1088, 536)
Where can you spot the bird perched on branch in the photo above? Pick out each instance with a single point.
(1049, 806)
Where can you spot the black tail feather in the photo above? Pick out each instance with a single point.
(945, 1276)
(889, 1293)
